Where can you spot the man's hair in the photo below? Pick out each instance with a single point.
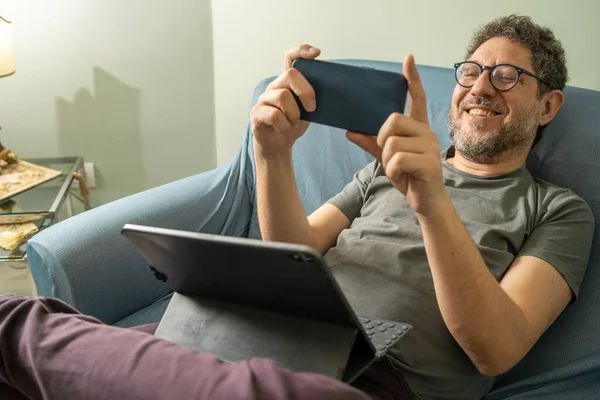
(548, 55)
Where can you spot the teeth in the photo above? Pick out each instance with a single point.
(479, 111)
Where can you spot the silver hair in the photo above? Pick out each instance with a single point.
(548, 55)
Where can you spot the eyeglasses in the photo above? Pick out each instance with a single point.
(503, 77)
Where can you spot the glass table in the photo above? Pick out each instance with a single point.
(50, 202)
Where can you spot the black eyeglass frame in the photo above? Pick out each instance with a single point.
(520, 71)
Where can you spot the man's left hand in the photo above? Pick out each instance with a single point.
(408, 150)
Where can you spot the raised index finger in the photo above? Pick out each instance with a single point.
(417, 103)
(302, 51)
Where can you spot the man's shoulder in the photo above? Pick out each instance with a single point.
(555, 198)
(552, 191)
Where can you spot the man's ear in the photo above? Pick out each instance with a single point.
(551, 103)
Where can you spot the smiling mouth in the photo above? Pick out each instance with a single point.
(483, 113)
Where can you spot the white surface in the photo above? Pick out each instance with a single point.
(90, 174)
(75, 60)
(126, 84)
(250, 39)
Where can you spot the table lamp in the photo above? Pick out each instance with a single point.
(7, 67)
(7, 54)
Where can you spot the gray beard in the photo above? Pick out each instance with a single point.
(502, 143)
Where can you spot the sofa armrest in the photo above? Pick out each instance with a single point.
(85, 261)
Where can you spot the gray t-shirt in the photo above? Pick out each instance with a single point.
(380, 262)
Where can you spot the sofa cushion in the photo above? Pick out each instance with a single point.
(146, 315)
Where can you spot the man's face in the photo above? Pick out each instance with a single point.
(486, 123)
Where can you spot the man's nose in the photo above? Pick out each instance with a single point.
(483, 86)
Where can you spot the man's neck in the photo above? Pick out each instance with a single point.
(504, 164)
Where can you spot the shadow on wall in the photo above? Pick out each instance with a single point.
(104, 127)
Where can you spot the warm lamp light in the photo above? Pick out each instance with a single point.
(7, 53)
(7, 67)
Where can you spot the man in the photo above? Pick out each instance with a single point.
(479, 256)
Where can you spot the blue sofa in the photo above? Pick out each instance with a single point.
(85, 261)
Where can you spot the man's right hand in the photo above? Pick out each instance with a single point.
(275, 119)
(276, 125)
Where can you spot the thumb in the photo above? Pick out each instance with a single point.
(366, 142)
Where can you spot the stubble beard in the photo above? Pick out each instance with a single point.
(498, 145)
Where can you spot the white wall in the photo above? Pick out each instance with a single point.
(250, 39)
(128, 84)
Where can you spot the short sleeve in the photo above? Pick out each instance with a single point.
(563, 236)
(351, 199)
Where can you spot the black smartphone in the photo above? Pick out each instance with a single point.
(355, 98)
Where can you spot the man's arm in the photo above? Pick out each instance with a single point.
(280, 211)
(495, 324)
